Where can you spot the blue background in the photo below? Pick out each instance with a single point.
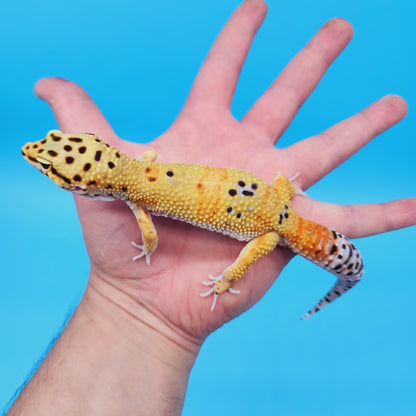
(138, 59)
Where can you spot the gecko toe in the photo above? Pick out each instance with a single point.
(143, 253)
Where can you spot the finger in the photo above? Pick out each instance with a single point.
(73, 108)
(320, 154)
(360, 220)
(272, 113)
(218, 76)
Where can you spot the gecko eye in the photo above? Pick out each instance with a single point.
(44, 163)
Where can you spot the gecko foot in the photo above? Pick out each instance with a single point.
(213, 280)
(142, 254)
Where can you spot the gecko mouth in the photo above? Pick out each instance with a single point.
(77, 189)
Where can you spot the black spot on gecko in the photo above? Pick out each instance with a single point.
(109, 186)
(59, 175)
(241, 183)
(41, 150)
(82, 149)
(111, 165)
(56, 138)
(340, 256)
(334, 234)
(147, 170)
(247, 193)
(239, 215)
(169, 173)
(334, 248)
(92, 183)
(69, 160)
(43, 141)
(87, 167)
(52, 153)
(118, 155)
(124, 188)
(280, 219)
(232, 192)
(229, 209)
(35, 146)
(75, 139)
(338, 266)
(77, 178)
(286, 215)
(349, 254)
(151, 179)
(67, 148)
(97, 156)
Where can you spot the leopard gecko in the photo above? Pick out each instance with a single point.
(230, 201)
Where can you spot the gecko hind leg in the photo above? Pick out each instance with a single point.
(254, 250)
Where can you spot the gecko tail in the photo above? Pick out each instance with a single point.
(330, 250)
(340, 257)
(341, 286)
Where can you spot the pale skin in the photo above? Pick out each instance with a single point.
(133, 339)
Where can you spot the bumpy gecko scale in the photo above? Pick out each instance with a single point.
(230, 201)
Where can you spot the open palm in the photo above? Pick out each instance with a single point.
(206, 133)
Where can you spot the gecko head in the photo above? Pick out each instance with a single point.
(75, 162)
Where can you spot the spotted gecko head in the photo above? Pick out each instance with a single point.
(80, 163)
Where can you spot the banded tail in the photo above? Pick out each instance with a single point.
(329, 250)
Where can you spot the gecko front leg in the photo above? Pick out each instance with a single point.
(149, 234)
(252, 251)
(148, 156)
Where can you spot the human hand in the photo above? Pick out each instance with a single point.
(206, 133)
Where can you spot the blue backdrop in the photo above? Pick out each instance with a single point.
(138, 59)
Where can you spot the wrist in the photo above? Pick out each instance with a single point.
(124, 318)
(157, 357)
(114, 357)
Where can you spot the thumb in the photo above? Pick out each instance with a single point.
(73, 108)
